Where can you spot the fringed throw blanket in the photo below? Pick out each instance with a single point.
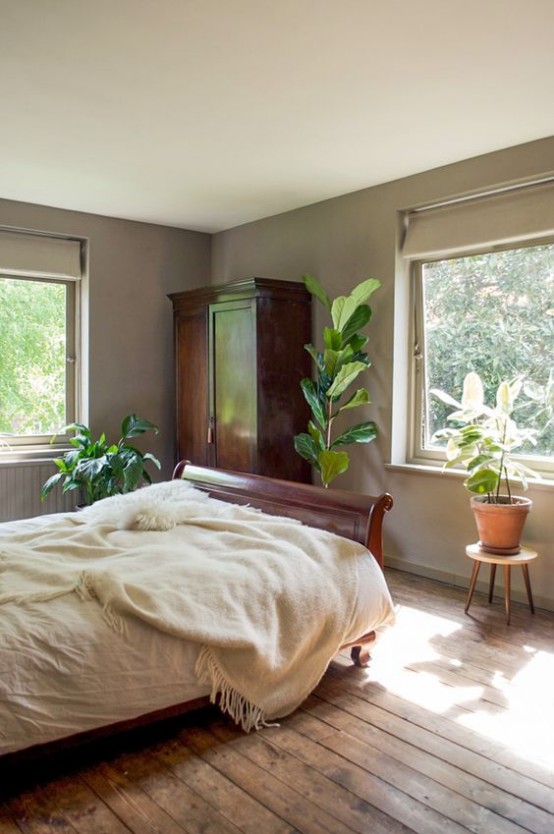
(269, 599)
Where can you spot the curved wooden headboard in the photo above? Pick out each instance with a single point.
(350, 514)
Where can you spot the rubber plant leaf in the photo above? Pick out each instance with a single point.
(151, 457)
(483, 481)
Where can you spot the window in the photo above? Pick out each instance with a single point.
(38, 339)
(486, 307)
(492, 313)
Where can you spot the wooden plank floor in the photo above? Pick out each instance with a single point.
(450, 729)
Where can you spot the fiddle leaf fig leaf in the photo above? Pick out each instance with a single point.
(343, 307)
(332, 338)
(315, 354)
(364, 290)
(344, 378)
(312, 285)
(316, 435)
(335, 359)
(357, 342)
(309, 390)
(332, 464)
(337, 313)
(359, 318)
(362, 433)
(361, 397)
(307, 448)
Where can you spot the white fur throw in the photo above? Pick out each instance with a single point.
(156, 507)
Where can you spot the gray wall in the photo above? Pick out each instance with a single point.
(132, 268)
(342, 241)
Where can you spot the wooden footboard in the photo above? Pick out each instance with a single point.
(353, 515)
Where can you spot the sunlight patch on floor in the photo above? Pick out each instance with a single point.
(527, 724)
(521, 720)
(395, 650)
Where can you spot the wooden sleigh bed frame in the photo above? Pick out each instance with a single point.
(355, 516)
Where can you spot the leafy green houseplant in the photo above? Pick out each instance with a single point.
(337, 366)
(484, 440)
(98, 468)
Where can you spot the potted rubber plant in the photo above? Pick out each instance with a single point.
(99, 468)
(337, 366)
(483, 439)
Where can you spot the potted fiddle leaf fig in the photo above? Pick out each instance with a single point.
(483, 439)
(99, 468)
(337, 366)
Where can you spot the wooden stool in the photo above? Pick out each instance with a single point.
(522, 558)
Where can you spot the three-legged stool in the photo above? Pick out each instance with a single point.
(522, 559)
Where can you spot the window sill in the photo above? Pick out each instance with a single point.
(31, 455)
(546, 483)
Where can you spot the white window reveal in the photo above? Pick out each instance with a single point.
(39, 357)
(482, 278)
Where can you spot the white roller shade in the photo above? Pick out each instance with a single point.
(520, 214)
(35, 256)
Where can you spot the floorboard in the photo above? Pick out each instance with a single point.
(449, 729)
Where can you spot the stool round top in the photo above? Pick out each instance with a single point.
(525, 555)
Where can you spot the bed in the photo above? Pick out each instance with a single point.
(81, 659)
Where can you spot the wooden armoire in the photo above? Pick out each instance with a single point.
(239, 359)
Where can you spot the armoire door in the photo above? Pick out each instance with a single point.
(233, 384)
(191, 353)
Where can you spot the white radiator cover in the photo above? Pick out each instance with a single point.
(20, 491)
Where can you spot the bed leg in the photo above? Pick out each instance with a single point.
(360, 654)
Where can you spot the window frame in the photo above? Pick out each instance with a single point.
(417, 453)
(21, 447)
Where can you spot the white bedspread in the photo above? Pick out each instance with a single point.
(269, 617)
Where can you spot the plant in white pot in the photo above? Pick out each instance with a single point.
(483, 440)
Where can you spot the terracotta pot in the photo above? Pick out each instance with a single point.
(500, 526)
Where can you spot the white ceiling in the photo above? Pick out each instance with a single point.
(206, 114)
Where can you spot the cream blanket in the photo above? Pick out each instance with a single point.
(269, 599)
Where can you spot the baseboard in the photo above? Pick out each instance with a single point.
(457, 581)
